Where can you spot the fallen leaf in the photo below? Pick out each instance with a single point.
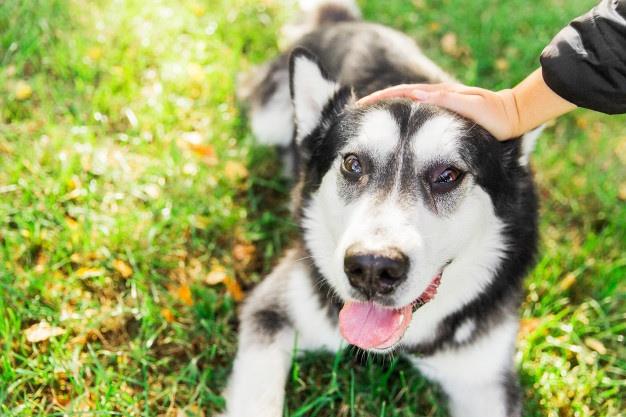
(23, 90)
(71, 223)
(216, 275)
(434, 26)
(234, 170)
(244, 252)
(502, 64)
(568, 281)
(234, 289)
(582, 122)
(449, 44)
(123, 268)
(41, 262)
(202, 150)
(88, 272)
(167, 314)
(621, 194)
(42, 331)
(596, 345)
(184, 294)
(198, 9)
(193, 411)
(527, 326)
(95, 53)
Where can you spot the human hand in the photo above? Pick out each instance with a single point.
(495, 111)
(506, 114)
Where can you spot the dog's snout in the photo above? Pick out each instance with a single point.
(375, 273)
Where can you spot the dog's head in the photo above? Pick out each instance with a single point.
(403, 205)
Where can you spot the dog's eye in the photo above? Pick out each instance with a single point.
(351, 165)
(445, 178)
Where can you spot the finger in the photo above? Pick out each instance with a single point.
(402, 90)
(382, 94)
(467, 105)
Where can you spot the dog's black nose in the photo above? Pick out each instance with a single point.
(375, 273)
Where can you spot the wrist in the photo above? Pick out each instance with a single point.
(510, 107)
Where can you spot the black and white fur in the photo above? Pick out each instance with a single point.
(483, 232)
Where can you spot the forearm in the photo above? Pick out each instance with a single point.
(535, 103)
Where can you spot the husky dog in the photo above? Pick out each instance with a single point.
(417, 225)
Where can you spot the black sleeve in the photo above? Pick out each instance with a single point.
(586, 62)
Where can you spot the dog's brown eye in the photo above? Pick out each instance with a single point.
(352, 165)
(444, 179)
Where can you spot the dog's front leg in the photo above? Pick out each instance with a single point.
(479, 377)
(257, 383)
(266, 340)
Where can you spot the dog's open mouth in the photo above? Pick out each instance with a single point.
(371, 326)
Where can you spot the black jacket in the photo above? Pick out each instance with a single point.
(586, 62)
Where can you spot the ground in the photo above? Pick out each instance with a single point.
(135, 211)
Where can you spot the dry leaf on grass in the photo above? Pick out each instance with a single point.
(502, 64)
(42, 331)
(216, 275)
(449, 44)
(244, 252)
(23, 91)
(234, 289)
(123, 268)
(167, 314)
(202, 150)
(88, 272)
(621, 194)
(184, 294)
(568, 281)
(527, 326)
(94, 53)
(596, 345)
(234, 170)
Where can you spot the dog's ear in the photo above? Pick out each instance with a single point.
(527, 146)
(311, 90)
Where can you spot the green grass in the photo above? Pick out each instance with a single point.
(130, 149)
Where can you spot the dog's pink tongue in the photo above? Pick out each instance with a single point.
(368, 325)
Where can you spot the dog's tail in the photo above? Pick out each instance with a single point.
(316, 13)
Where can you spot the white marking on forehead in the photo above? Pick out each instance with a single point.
(437, 138)
(379, 132)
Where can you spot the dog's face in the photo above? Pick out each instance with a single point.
(393, 195)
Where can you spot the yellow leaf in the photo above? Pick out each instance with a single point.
(167, 314)
(233, 288)
(527, 326)
(42, 331)
(502, 64)
(95, 53)
(71, 223)
(449, 44)
(202, 150)
(23, 90)
(568, 281)
(215, 277)
(434, 26)
(123, 268)
(621, 194)
(184, 294)
(596, 345)
(198, 9)
(244, 252)
(234, 170)
(88, 272)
